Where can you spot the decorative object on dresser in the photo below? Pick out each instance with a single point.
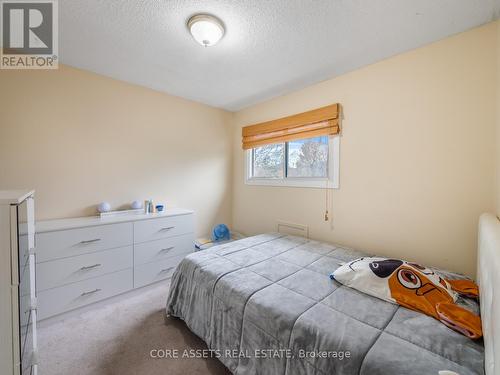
(103, 207)
(85, 260)
(136, 205)
(18, 303)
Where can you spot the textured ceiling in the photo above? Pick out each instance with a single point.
(271, 47)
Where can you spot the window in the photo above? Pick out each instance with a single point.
(311, 162)
(268, 161)
(307, 158)
(299, 150)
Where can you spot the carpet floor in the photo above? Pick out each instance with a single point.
(117, 338)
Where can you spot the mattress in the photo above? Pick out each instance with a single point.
(266, 305)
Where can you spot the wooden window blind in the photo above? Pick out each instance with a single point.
(315, 123)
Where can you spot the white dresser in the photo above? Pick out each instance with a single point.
(84, 260)
(18, 315)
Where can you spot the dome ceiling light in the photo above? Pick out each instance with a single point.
(206, 29)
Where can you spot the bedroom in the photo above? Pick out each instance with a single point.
(401, 101)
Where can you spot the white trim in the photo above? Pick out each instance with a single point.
(319, 183)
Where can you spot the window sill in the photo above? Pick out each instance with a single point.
(300, 183)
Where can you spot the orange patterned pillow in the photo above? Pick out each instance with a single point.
(415, 287)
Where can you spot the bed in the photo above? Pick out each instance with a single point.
(265, 305)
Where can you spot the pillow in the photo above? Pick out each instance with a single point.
(415, 287)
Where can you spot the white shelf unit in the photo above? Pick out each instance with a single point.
(18, 303)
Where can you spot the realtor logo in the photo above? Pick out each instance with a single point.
(29, 34)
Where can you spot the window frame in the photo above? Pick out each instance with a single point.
(305, 182)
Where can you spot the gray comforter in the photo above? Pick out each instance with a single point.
(266, 305)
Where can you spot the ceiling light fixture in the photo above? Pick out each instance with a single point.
(205, 29)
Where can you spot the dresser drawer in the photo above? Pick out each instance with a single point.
(23, 251)
(27, 278)
(153, 251)
(149, 273)
(25, 309)
(57, 300)
(155, 229)
(67, 243)
(82, 267)
(28, 343)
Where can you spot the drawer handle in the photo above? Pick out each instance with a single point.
(90, 241)
(166, 249)
(90, 267)
(166, 228)
(166, 269)
(91, 292)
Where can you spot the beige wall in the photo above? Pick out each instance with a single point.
(417, 155)
(79, 138)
